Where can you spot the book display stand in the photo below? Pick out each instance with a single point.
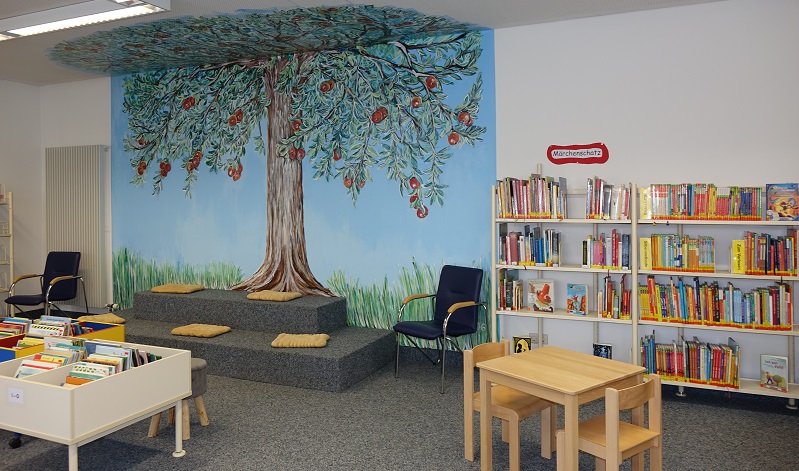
(39, 406)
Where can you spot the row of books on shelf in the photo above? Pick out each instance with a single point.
(533, 247)
(90, 359)
(700, 201)
(604, 200)
(535, 197)
(692, 302)
(543, 197)
(672, 252)
(693, 361)
(45, 326)
(532, 295)
(613, 298)
(610, 251)
(764, 254)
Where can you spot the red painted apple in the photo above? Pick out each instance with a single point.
(236, 176)
(140, 170)
(377, 116)
(416, 102)
(230, 171)
(336, 155)
(414, 183)
(414, 198)
(300, 154)
(361, 183)
(421, 213)
(296, 124)
(232, 120)
(431, 82)
(469, 121)
(293, 153)
(383, 111)
(347, 182)
(463, 116)
(453, 138)
(164, 173)
(239, 115)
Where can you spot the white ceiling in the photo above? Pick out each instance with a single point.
(26, 60)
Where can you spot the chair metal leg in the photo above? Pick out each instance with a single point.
(396, 361)
(443, 362)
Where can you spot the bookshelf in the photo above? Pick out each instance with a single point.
(745, 285)
(641, 225)
(570, 267)
(6, 240)
(39, 406)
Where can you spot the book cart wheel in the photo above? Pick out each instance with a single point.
(15, 441)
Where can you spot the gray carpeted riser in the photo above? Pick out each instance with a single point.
(351, 354)
(304, 315)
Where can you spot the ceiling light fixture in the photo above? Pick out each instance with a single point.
(79, 14)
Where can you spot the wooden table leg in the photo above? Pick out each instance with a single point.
(486, 419)
(570, 453)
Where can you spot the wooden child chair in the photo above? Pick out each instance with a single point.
(507, 404)
(612, 440)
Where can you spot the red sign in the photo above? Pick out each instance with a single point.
(596, 153)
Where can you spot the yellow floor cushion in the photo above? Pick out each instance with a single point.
(108, 318)
(300, 340)
(269, 295)
(177, 288)
(201, 330)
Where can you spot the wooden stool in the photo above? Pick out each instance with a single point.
(198, 387)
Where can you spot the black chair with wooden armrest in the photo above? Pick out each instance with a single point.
(456, 308)
(59, 282)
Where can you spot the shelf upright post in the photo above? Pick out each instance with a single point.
(492, 303)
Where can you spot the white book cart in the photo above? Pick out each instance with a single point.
(39, 406)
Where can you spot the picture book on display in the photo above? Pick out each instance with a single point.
(541, 295)
(774, 372)
(782, 201)
(521, 344)
(603, 350)
(577, 298)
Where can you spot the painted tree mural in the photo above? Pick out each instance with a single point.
(355, 90)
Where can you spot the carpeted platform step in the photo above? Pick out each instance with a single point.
(351, 354)
(304, 315)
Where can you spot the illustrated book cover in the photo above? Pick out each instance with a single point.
(521, 344)
(577, 298)
(541, 294)
(782, 201)
(603, 350)
(774, 372)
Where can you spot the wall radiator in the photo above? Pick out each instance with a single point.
(78, 207)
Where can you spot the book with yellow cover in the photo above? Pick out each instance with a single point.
(646, 253)
(738, 256)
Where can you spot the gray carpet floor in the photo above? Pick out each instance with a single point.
(405, 424)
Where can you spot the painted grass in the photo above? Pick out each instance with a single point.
(377, 305)
(133, 273)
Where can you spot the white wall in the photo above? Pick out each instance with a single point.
(702, 93)
(22, 171)
(76, 114)
(33, 119)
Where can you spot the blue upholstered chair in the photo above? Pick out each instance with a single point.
(456, 309)
(59, 282)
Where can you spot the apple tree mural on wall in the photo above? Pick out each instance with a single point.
(352, 89)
